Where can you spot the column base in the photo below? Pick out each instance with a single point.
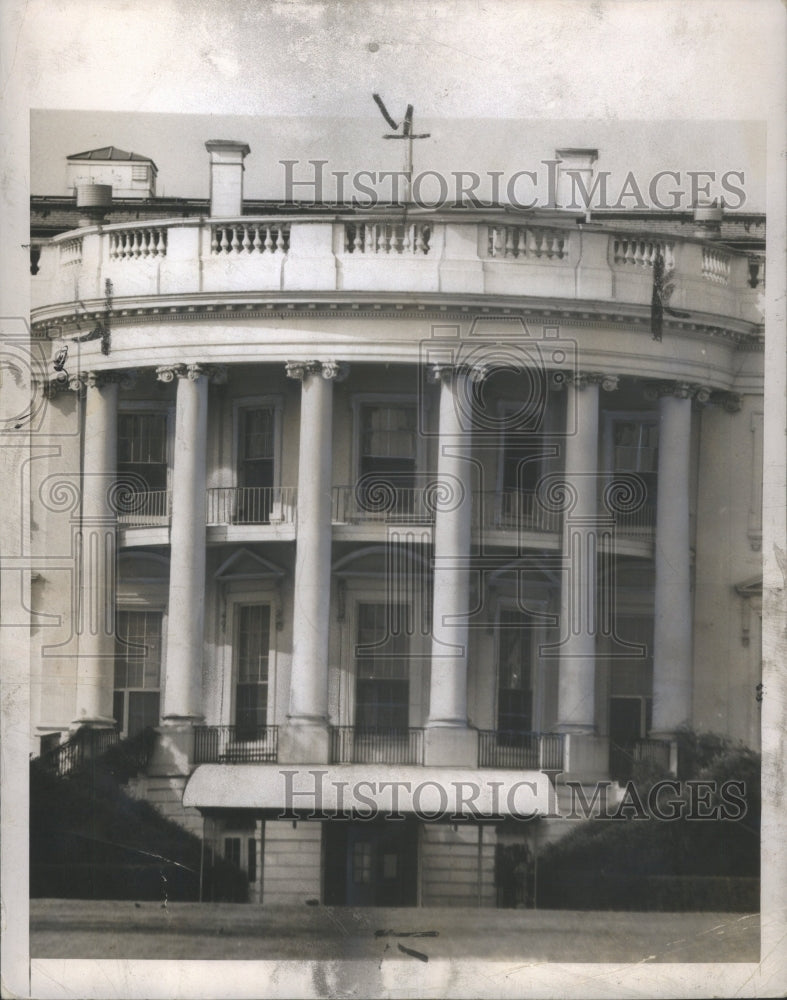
(92, 722)
(304, 743)
(173, 752)
(585, 755)
(451, 746)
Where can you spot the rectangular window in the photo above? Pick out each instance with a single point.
(232, 850)
(255, 468)
(252, 855)
(142, 450)
(382, 669)
(635, 448)
(514, 677)
(139, 172)
(252, 653)
(388, 442)
(138, 642)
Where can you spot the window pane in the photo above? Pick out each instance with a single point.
(232, 850)
(389, 431)
(138, 641)
(138, 649)
(257, 433)
(141, 438)
(252, 653)
(514, 696)
(382, 668)
(142, 448)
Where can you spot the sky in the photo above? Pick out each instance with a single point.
(176, 143)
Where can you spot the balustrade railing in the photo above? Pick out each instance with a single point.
(235, 744)
(135, 244)
(511, 510)
(526, 751)
(82, 748)
(715, 266)
(640, 522)
(251, 505)
(513, 242)
(143, 510)
(654, 751)
(640, 251)
(71, 251)
(381, 502)
(387, 238)
(250, 238)
(352, 745)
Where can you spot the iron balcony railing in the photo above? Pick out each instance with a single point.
(656, 752)
(355, 745)
(511, 510)
(143, 510)
(251, 505)
(382, 502)
(236, 744)
(637, 523)
(85, 746)
(525, 751)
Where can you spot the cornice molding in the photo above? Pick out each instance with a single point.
(635, 318)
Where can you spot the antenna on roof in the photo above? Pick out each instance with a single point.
(408, 135)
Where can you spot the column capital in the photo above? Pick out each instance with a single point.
(126, 378)
(701, 394)
(329, 370)
(444, 371)
(214, 373)
(580, 380)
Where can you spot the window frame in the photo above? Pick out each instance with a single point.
(243, 404)
(239, 595)
(538, 665)
(138, 608)
(138, 407)
(396, 399)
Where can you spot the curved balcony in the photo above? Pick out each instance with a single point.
(245, 513)
(264, 258)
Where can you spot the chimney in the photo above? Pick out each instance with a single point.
(93, 201)
(708, 216)
(226, 176)
(582, 163)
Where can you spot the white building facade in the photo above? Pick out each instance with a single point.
(352, 505)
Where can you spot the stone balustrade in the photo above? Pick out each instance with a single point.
(436, 255)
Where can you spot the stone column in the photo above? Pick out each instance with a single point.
(97, 553)
(583, 529)
(305, 737)
(672, 652)
(182, 695)
(576, 683)
(448, 740)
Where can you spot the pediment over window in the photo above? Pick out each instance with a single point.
(247, 565)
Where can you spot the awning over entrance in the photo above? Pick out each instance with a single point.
(371, 790)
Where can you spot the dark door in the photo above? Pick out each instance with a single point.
(378, 862)
(625, 728)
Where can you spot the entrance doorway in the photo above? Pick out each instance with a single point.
(371, 864)
(629, 721)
